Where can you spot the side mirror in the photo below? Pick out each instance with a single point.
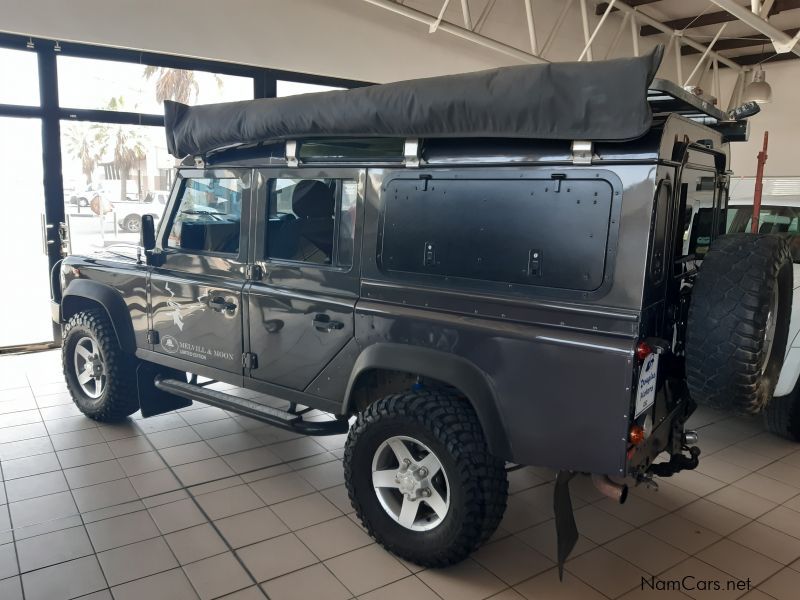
(148, 240)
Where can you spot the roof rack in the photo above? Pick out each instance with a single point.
(668, 97)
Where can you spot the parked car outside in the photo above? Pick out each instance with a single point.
(129, 213)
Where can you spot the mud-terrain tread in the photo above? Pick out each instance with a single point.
(451, 419)
(782, 416)
(727, 320)
(121, 398)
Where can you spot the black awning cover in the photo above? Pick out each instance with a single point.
(598, 101)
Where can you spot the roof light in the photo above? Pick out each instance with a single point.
(758, 90)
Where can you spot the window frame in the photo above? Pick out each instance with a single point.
(173, 205)
(269, 185)
(51, 113)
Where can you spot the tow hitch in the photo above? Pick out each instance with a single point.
(677, 463)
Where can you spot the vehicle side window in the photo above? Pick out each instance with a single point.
(312, 221)
(698, 191)
(208, 216)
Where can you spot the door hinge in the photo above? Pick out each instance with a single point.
(153, 337)
(249, 360)
(582, 152)
(254, 273)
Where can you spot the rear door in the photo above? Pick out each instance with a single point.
(196, 291)
(306, 245)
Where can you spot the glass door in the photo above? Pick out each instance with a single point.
(25, 301)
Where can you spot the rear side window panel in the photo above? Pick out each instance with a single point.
(550, 232)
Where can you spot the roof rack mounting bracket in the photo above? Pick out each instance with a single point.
(411, 152)
(582, 151)
(291, 154)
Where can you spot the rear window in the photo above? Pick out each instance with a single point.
(542, 232)
(771, 219)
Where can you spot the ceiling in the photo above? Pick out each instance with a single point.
(702, 19)
(698, 20)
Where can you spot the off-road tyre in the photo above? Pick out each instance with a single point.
(448, 425)
(782, 416)
(119, 399)
(730, 365)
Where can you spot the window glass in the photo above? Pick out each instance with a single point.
(697, 198)
(302, 223)
(25, 318)
(19, 72)
(122, 86)
(351, 149)
(208, 216)
(292, 88)
(111, 174)
(771, 219)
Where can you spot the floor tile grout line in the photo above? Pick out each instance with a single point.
(670, 512)
(13, 537)
(216, 530)
(83, 524)
(228, 545)
(700, 496)
(183, 487)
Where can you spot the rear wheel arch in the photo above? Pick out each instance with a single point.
(399, 365)
(83, 295)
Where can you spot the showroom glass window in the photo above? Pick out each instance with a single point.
(292, 88)
(121, 86)
(19, 74)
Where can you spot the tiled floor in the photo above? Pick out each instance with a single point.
(201, 503)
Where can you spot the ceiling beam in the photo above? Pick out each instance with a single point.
(733, 44)
(641, 17)
(782, 42)
(753, 59)
(714, 18)
(452, 29)
(601, 8)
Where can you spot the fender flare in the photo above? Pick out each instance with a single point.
(442, 366)
(111, 301)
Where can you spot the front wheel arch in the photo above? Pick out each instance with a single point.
(84, 294)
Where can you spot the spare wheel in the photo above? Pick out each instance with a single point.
(738, 324)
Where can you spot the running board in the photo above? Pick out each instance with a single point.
(273, 416)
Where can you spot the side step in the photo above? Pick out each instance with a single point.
(248, 408)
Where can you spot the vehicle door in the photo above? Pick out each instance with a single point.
(307, 248)
(196, 289)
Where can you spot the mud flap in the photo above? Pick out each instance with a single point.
(566, 529)
(153, 401)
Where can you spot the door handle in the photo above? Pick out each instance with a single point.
(219, 304)
(323, 322)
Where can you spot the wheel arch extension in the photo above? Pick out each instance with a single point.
(444, 367)
(84, 294)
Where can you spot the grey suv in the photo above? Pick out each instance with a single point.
(459, 287)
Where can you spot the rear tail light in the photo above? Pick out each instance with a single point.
(643, 350)
(636, 435)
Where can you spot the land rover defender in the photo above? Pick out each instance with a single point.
(464, 272)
